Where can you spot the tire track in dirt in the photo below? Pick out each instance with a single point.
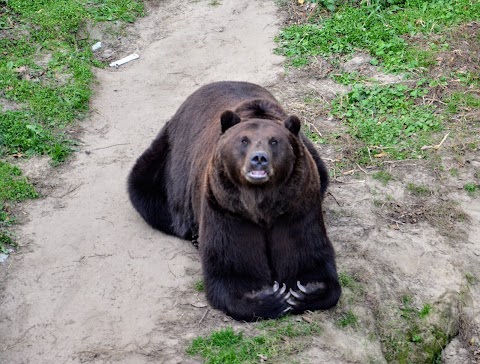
(96, 284)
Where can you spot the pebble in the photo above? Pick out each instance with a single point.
(107, 53)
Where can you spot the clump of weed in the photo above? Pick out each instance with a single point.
(471, 188)
(346, 280)
(348, 78)
(348, 318)
(387, 120)
(227, 346)
(199, 286)
(414, 335)
(312, 135)
(462, 101)
(383, 177)
(13, 188)
(471, 278)
(418, 189)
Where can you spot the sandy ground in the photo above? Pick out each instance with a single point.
(92, 283)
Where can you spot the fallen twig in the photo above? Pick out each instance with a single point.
(203, 317)
(436, 147)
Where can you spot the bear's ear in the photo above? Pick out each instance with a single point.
(292, 123)
(228, 119)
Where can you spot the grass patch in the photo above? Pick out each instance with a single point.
(45, 79)
(348, 319)
(276, 339)
(13, 188)
(46, 70)
(387, 120)
(412, 335)
(383, 177)
(199, 286)
(348, 78)
(418, 189)
(381, 28)
(471, 188)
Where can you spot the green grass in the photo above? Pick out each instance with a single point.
(348, 319)
(415, 335)
(348, 78)
(383, 177)
(199, 286)
(459, 101)
(418, 189)
(471, 188)
(387, 120)
(276, 339)
(13, 188)
(383, 31)
(46, 70)
(45, 79)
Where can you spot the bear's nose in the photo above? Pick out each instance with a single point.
(259, 159)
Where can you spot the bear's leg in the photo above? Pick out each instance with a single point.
(236, 270)
(146, 184)
(303, 257)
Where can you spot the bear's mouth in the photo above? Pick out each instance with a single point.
(257, 176)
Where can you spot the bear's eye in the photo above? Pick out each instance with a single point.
(245, 141)
(273, 142)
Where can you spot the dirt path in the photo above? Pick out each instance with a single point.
(94, 283)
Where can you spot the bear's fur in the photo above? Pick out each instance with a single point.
(234, 168)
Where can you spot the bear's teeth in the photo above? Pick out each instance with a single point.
(258, 173)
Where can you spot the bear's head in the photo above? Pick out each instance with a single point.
(258, 151)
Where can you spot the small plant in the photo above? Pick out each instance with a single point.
(425, 311)
(348, 319)
(417, 189)
(383, 177)
(348, 78)
(471, 188)
(346, 280)
(199, 286)
(471, 279)
(454, 172)
(312, 135)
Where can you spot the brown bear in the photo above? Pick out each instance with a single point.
(232, 168)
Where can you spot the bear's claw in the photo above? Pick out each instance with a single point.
(304, 291)
(271, 299)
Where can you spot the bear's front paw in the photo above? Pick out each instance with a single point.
(306, 293)
(270, 302)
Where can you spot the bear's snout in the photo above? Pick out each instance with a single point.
(257, 169)
(259, 160)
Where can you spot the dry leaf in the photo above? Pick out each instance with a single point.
(380, 155)
(300, 2)
(199, 305)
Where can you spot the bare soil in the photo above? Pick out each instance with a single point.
(92, 283)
